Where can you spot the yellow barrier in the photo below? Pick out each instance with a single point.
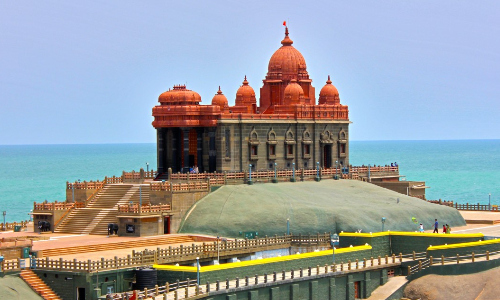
(407, 233)
(261, 261)
(462, 245)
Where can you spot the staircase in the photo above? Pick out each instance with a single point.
(103, 209)
(38, 285)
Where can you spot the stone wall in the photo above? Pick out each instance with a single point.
(280, 133)
(181, 203)
(81, 195)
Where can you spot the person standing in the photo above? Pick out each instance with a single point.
(436, 226)
(444, 228)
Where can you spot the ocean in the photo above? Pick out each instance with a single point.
(462, 171)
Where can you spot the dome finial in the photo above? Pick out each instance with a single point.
(219, 91)
(286, 41)
(328, 81)
(245, 82)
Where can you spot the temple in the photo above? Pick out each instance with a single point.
(287, 129)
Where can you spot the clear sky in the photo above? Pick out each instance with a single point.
(90, 71)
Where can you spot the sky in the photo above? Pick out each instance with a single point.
(89, 72)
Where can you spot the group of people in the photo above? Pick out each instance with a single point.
(194, 170)
(446, 227)
(394, 164)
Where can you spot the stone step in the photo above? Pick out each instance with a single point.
(37, 284)
(163, 240)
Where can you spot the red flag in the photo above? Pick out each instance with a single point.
(284, 23)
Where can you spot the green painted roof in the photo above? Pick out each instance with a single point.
(325, 206)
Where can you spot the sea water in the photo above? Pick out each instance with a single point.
(462, 171)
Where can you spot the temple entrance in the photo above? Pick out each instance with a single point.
(193, 148)
(166, 225)
(327, 156)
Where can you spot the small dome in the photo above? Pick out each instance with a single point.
(179, 96)
(220, 100)
(329, 94)
(287, 60)
(245, 95)
(294, 94)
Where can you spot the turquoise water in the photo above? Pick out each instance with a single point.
(463, 171)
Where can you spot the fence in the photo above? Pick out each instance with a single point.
(170, 186)
(181, 253)
(428, 262)
(11, 226)
(466, 206)
(189, 289)
(135, 209)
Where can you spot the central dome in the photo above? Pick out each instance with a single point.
(286, 60)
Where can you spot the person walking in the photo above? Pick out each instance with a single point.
(444, 228)
(421, 228)
(436, 226)
(448, 229)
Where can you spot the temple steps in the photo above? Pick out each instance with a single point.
(162, 240)
(103, 209)
(38, 285)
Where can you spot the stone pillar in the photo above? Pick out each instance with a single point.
(199, 149)
(313, 290)
(367, 291)
(294, 292)
(160, 149)
(185, 148)
(332, 288)
(212, 152)
(350, 287)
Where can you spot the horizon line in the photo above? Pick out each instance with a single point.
(131, 143)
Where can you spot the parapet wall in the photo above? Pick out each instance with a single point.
(241, 269)
(388, 243)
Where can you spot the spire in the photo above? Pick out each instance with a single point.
(245, 82)
(328, 81)
(286, 41)
(219, 92)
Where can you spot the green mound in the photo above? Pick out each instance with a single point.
(312, 207)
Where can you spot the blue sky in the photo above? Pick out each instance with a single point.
(90, 71)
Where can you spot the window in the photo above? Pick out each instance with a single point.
(272, 149)
(342, 148)
(289, 149)
(254, 150)
(307, 149)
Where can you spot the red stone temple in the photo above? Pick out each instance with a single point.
(286, 129)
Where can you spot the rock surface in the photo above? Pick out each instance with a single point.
(312, 207)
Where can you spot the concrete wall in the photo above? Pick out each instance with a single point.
(403, 187)
(65, 284)
(143, 226)
(269, 268)
(320, 288)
